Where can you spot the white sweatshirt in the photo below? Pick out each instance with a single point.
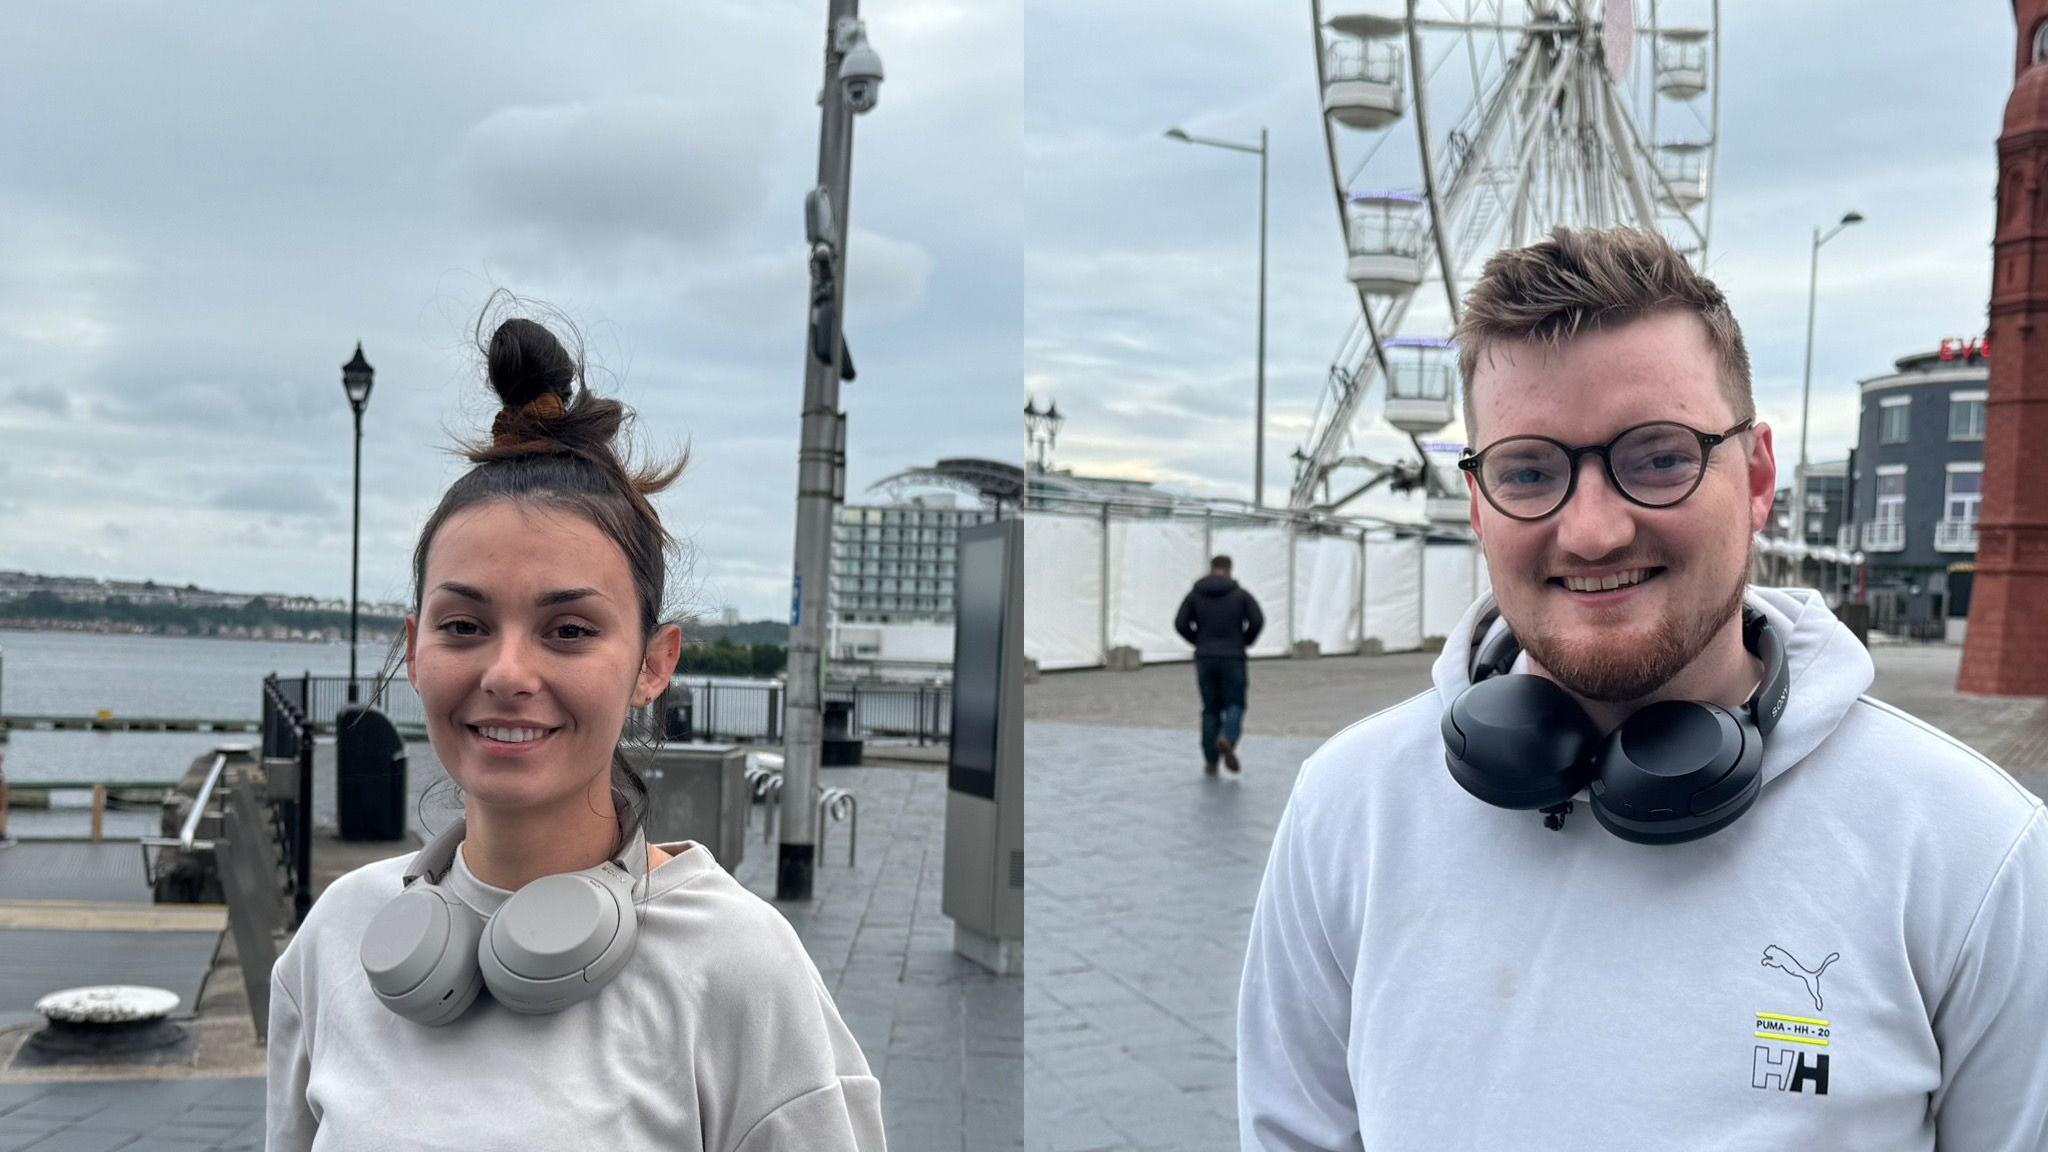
(1429, 972)
(718, 1036)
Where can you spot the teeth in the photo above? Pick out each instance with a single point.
(513, 735)
(1603, 584)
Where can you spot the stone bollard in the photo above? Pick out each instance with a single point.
(1305, 650)
(1124, 658)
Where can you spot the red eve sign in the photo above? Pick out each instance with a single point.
(1974, 348)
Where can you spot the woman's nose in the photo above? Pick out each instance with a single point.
(513, 668)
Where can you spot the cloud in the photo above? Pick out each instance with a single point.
(45, 399)
(287, 494)
(634, 179)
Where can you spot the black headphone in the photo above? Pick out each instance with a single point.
(1674, 771)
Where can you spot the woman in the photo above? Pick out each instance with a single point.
(630, 995)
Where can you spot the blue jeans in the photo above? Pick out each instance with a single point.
(1222, 681)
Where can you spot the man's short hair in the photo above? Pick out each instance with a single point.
(1219, 562)
(1584, 280)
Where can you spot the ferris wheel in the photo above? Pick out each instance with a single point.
(1458, 127)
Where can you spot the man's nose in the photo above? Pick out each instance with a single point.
(1597, 521)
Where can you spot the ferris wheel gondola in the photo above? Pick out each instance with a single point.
(1520, 115)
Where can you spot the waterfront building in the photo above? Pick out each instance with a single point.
(1917, 489)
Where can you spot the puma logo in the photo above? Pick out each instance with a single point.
(1776, 957)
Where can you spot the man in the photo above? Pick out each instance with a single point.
(1857, 961)
(1221, 620)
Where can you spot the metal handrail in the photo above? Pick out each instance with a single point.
(186, 840)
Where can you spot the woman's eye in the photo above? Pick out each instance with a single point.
(453, 627)
(582, 633)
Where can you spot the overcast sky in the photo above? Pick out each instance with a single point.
(1141, 261)
(203, 208)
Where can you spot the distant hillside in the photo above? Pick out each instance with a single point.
(743, 635)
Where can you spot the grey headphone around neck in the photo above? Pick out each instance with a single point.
(556, 941)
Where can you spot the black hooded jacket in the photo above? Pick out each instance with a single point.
(1219, 617)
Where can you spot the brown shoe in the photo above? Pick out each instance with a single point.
(1229, 751)
(1209, 769)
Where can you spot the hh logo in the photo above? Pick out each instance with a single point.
(1789, 1071)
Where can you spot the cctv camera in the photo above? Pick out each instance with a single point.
(861, 73)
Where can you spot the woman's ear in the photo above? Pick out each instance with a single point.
(658, 666)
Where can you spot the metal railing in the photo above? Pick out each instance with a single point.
(288, 733)
(1955, 536)
(748, 713)
(1884, 536)
(720, 709)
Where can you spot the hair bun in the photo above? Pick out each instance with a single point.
(526, 362)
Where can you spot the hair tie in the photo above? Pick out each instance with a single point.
(546, 408)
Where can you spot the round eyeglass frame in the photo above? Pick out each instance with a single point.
(1472, 462)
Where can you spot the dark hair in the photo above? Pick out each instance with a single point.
(558, 455)
(1222, 562)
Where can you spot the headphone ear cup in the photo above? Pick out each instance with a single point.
(1677, 770)
(1519, 742)
(559, 940)
(419, 954)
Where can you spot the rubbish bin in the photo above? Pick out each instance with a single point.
(369, 776)
(839, 749)
(838, 719)
(680, 721)
(699, 792)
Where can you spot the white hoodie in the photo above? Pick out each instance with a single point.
(1429, 972)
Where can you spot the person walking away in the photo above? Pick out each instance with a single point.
(1221, 619)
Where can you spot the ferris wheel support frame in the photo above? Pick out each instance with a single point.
(1609, 190)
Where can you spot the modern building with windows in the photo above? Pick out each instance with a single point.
(1919, 469)
(1822, 563)
(893, 563)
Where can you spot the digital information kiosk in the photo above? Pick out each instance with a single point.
(984, 883)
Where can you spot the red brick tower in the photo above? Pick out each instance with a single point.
(2006, 649)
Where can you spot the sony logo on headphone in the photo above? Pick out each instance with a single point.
(1777, 706)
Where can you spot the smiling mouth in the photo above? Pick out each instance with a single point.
(1596, 587)
(511, 737)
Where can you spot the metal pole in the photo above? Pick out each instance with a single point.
(1805, 400)
(355, 550)
(1259, 475)
(816, 465)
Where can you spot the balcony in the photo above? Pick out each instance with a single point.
(1884, 536)
(1845, 538)
(1955, 536)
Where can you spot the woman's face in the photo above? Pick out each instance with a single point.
(526, 654)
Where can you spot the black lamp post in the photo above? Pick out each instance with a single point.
(356, 377)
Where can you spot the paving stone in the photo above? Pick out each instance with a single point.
(885, 950)
(1142, 872)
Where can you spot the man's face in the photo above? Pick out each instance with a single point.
(1619, 645)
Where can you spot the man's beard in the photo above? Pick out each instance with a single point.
(1621, 672)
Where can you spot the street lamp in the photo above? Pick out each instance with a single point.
(356, 378)
(1806, 389)
(1042, 427)
(853, 78)
(1259, 438)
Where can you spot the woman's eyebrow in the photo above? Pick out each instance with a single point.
(544, 600)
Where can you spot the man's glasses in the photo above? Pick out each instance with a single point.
(1653, 465)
